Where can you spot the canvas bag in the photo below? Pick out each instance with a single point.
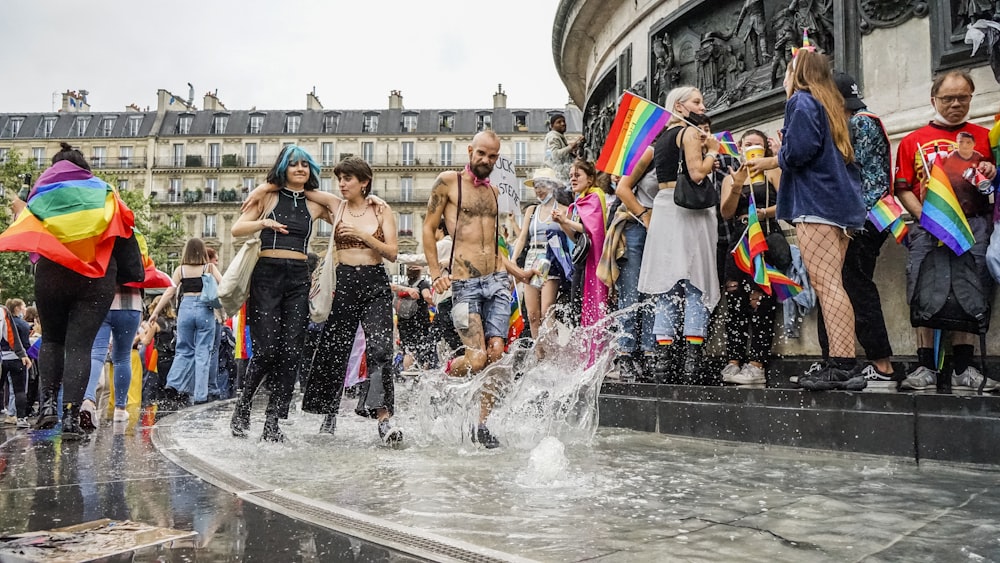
(234, 289)
(324, 278)
(209, 290)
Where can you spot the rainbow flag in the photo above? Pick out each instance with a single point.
(899, 230)
(783, 286)
(888, 214)
(995, 138)
(942, 216)
(637, 122)
(241, 331)
(757, 245)
(741, 255)
(516, 321)
(72, 218)
(727, 144)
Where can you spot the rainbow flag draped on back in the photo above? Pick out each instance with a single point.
(516, 326)
(72, 218)
(942, 216)
(637, 122)
(888, 214)
(727, 144)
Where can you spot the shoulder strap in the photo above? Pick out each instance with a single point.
(454, 236)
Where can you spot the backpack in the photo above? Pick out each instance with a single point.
(949, 294)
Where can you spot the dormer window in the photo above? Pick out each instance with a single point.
(256, 124)
(184, 124)
(370, 123)
(484, 121)
(292, 122)
(133, 125)
(330, 122)
(107, 125)
(219, 123)
(520, 121)
(79, 128)
(446, 121)
(13, 127)
(409, 124)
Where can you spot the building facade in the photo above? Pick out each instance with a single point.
(199, 164)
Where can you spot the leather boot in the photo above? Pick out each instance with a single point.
(71, 429)
(663, 364)
(329, 425)
(240, 422)
(48, 417)
(272, 432)
(693, 363)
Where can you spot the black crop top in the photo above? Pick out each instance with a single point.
(293, 212)
(762, 198)
(192, 284)
(666, 155)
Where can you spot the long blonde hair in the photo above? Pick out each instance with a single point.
(810, 72)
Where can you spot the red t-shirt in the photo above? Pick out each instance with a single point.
(932, 140)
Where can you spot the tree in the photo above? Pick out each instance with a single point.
(160, 239)
(16, 270)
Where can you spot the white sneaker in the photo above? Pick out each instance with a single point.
(814, 368)
(970, 379)
(874, 377)
(750, 375)
(9, 420)
(23, 423)
(121, 415)
(729, 372)
(919, 379)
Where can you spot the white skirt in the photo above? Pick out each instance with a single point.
(680, 245)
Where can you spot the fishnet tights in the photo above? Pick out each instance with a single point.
(823, 249)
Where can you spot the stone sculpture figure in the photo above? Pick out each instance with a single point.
(666, 72)
(814, 16)
(754, 35)
(785, 36)
(971, 10)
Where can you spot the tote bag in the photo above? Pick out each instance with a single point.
(324, 278)
(235, 286)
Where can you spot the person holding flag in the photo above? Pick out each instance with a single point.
(947, 209)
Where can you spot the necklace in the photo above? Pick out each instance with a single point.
(363, 212)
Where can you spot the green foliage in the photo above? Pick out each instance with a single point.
(16, 277)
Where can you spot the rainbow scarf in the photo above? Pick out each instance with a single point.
(727, 144)
(72, 218)
(516, 321)
(942, 216)
(637, 122)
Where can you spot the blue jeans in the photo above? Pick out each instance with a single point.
(211, 386)
(668, 311)
(487, 296)
(627, 286)
(121, 326)
(195, 331)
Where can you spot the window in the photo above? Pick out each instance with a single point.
(209, 230)
(214, 155)
(107, 126)
(178, 154)
(406, 224)
(175, 189)
(370, 123)
(445, 153)
(292, 122)
(249, 184)
(407, 153)
(330, 121)
(256, 124)
(132, 125)
(13, 127)
(520, 121)
(251, 150)
(520, 153)
(100, 157)
(122, 185)
(38, 155)
(446, 122)
(125, 157)
(406, 189)
(368, 151)
(46, 126)
(184, 124)
(326, 154)
(326, 185)
(484, 121)
(80, 126)
(211, 189)
(3, 154)
(410, 123)
(219, 123)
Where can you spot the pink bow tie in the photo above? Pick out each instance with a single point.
(475, 179)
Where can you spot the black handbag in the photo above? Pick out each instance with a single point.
(778, 253)
(691, 195)
(581, 248)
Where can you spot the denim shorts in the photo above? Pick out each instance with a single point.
(487, 296)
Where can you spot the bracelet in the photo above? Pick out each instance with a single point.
(644, 211)
(712, 154)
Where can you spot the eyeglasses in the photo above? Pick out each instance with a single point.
(948, 100)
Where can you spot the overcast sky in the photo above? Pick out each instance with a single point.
(270, 53)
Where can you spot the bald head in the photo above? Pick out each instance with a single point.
(483, 153)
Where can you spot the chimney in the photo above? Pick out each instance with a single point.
(395, 99)
(132, 108)
(212, 103)
(74, 101)
(166, 101)
(500, 98)
(312, 102)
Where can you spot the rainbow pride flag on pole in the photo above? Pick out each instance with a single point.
(888, 214)
(783, 286)
(727, 144)
(637, 122)
(757, 245)
(72, 218)
(942, 216)
(516, 321)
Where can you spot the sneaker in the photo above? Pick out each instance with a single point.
(23, 423)
(876, 378)
(329, 425)
(920, 379)
(88, 415)
(970, 379)
(391, 436)
(730, 372)
(9, 420)
(481, 435)
(812, 370)
(830, 378)
(121, 415)
(749, 375)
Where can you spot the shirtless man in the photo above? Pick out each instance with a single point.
(478, 273)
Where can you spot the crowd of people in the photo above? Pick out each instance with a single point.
(592, 245)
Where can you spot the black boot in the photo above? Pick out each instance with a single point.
(240, 422)
(329, 425)
(71, 429)
(272, 432)
(693, 364)
(48, 417)
(663, 364)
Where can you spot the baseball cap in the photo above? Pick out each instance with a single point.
(849, 90)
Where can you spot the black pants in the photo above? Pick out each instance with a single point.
(71, 308)
(444, 327)
(859, 273)
(749, 331)
(362, 296)
(15, 372)
(277, 314)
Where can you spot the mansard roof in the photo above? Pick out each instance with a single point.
(64, 127)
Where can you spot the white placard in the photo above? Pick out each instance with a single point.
(504, 177)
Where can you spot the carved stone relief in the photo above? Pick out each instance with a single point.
(889, 13)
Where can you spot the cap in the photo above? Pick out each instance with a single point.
(546, 174)
(849, 90)
(554, 117)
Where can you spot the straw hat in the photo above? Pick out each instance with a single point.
(547, 174)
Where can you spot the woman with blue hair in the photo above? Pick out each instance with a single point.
(278, 306)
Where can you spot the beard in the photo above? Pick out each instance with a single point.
(481, 171)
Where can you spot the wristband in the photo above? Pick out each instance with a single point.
(644, 211)
(712, 154)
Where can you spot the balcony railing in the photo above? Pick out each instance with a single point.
(423, 160)
(118, 162)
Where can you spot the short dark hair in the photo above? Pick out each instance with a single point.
(762, 135)
(959, 73)
(357, 167)
(67, 152)
(554, 117)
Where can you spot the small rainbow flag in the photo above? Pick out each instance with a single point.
(741, 255)
(637, 122)
(516, 321)
(899, 230)
(783, 286)
(727, 144)
(995, 138)
(942, 216)
(888, 214)
(758, 245)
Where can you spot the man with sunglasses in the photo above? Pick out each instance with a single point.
(951, 97)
